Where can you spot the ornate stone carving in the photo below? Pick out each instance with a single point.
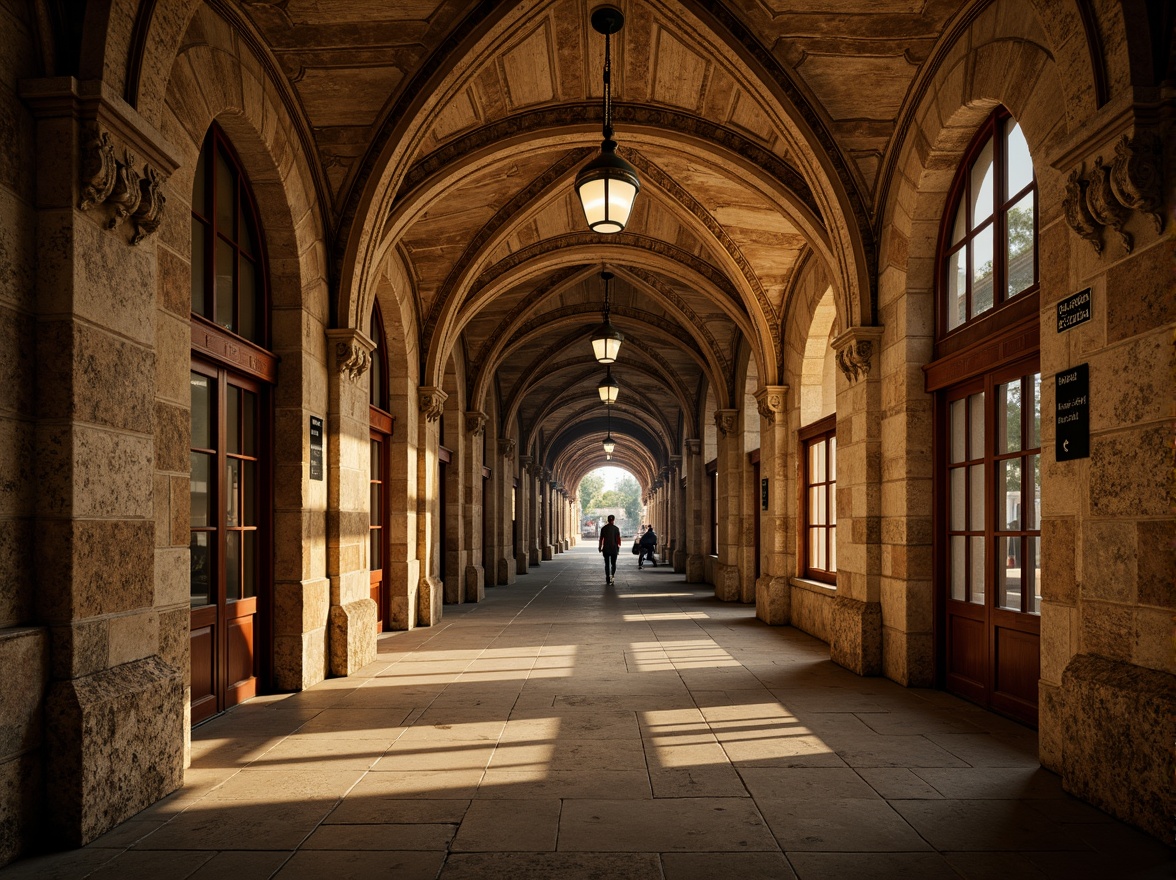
(149, 214)
(1137, 175)
(125, 196)
(432, 402)
(1078, 215)
(675, 462)
(475, 422)
(507, 445)
(1105, 208)
(350, 358)
(99, 169)
(526, 462)
(694, 446)
(855, 350)
(770, 401)
(726, 420)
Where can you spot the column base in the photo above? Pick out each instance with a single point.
(773, 600)
(521, 563)
(351, 636)
(548, 552)
(506, 571)
(430, 597)
(695, 569)
(679, 561)
(475, 583)
(856, 638)
(727, 582)
(114, 746)
(533, 556)
(1114, 753)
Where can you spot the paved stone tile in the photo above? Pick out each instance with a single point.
(413, 784)
(994, 866)
(291, 782)
(362, 865)
(839, 825)
(410, 837)
(369, 810)
(898, 783)
(603, 724)
(128, 833)
(983, 750)
(999, 783)
(136, 865)
(322, 751)
(692, 782)
(239, 866)
(986, 826)
(804, 783)
(509, 826)
(571, 754)
(436, 755)
(224, 824)
(543, 783)
(718, 866)
(871, 866)
(546, 866)
(876, 750)
(664, 825)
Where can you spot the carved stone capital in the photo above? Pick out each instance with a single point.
(1105, 208)
(507, 446)
(1078, 216)
(694, 446)
(475, 421)
(353, 352)
(99, 167)
(770, 399)
(727, 421)
(1137, 175)
(526, 462)
(432, 402)
(149, 214)
(675, 462)
(855, 350)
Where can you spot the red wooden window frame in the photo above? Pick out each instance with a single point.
(819, 432)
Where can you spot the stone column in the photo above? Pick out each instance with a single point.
(430, 592)
(856, 631)
(472, 507)
(727, 578)
(107, 485)
(546, 488)
(351, 624)
(772, 590)
(529, 507)
(507, 555)
(695, 514)
(677, 520)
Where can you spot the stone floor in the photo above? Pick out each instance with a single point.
(565, 729)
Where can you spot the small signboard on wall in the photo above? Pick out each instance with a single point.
(316, 448)
(764, 494)
(1074, 310)
(1072, 419)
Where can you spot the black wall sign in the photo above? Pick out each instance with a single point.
(316, 448)
(1074, 310)
(1072, 422)
(764, 493)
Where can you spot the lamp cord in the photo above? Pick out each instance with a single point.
(608, 127)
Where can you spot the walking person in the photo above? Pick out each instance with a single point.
(610, 546)
(648, 545)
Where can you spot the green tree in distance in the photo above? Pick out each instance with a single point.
(590, 488)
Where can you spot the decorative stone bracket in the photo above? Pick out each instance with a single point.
(694, 446)
(726, 420)
(353, 352)
(432, 402)
(475, 421)
(1132, 182)
(115, 184)
(770, 401)
(507, 445)
(855, 349)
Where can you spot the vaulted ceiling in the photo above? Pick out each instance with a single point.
(448, 134)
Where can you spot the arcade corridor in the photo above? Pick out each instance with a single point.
(566, 729)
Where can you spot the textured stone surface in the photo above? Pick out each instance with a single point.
(351, 638)
(115, 745)
(20, 801)
(24, 657)
(773, 599)
(855, 640)
(1116, 747)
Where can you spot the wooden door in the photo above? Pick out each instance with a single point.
(381, 428)
(990, 476)
(228, 538)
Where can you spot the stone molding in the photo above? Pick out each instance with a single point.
(526, 462)
(1132, 182)
(694, 446)
(675, 462)
(771, 399)
(353, 352)
(432, 402)
(507, 445)
(727, 421)
(855, 350)
(475, 422)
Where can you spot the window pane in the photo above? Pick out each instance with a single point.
(1035, 433)
(976, 440)
(959, 228)
(959, 431)
(957, 288)
(201, 389)
(199, 260)
(248, 237)
(816, 506)
(982, 268)
(232, 566)
(1032, 505)
(1008, 573)
(249, 492)
(233, 419)
(817, 462)
(248, 423)
(831, 503)
(247, 301)
(817, 556)
(832, 458)
(1008, 495)
(226, 256)
(1008, 417)
(226, 199)
(976, 501)
(981, 186)
(977, 570)
(249, 565)
(1032, 569)
(1020, 165)
(1022, 240)
(201, 569)
(374, 549)
(200, 186)
(958, 569)
(200, 489)
(232, 492)
(374, 504)
(958, 500)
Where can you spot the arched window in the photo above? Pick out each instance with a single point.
(989, 246)
(228, 277)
